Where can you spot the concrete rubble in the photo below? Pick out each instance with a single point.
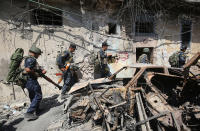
(156, 98)
(9, 113)
(142, 96)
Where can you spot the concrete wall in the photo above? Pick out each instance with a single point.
(77, 29)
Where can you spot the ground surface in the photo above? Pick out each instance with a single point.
(52, 111)
(42, 123)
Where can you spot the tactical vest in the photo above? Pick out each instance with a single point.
(68, 60)
(22, 65)
(174, 59)
(102, 61)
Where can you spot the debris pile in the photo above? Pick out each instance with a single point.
(156, 98)
(11, 112)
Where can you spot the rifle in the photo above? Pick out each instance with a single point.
(51, 81)
(61, 78)
(47, 78)
(66, 68)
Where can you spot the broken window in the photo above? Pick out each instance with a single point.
(112, 28)
(144, 25)
(46, 17)
(139, 52)
(186, 28)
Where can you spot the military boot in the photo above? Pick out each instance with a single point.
(30, 116)
(64, 96)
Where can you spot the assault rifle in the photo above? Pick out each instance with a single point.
(48, 79)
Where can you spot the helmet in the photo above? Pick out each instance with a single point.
(105, 44)
(35, 50)
(146, 50)
(72, 46)
(183, 47)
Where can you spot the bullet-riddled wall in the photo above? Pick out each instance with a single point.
(88, 29)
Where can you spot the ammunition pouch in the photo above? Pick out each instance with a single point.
(21, 79)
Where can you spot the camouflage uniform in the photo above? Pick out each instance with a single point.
(32, 85)
(69, 80)
(144, 58)
(101, 68)
(178, 58)
(182, 59)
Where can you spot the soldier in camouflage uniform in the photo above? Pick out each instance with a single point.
(101, 65)
(69, 78)
(178, 58)
(144, 57)
(32, 71)
(182, 56)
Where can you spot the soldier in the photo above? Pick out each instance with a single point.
(178, 58)
(64, 62)
(101, 64)
(144, 57)
(182, 56)
(32, 71)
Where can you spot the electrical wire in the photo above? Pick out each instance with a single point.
(138, 4)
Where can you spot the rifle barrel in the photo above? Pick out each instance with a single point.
(51, 81)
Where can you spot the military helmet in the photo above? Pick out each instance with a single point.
(35, 50)
(146, 50)
(105, 44)
(183, 47)
(72, 46)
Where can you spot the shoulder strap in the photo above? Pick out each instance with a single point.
(23, 61)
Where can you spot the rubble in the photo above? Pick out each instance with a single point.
(9, 113)
(156, 98)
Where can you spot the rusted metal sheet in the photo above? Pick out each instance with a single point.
(158, 103)
(115, 104)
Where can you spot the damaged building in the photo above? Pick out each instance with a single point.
(128, 27)
(138, 96)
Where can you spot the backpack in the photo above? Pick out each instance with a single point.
(15, 71)
(174, 59)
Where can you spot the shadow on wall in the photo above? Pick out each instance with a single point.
(4, 66)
